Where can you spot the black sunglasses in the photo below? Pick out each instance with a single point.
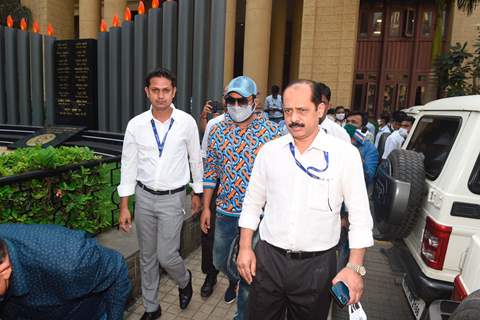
(231, 101)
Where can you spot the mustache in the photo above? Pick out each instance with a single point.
(296, 125)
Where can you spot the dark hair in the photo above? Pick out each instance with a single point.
(409, 119)
(275, 90)
(161, 73)
(398, 116)
(3, 250)
(339, 107)
(324, 90)
(362, 115)
(331, 111)
(316, 97)
(385, 116)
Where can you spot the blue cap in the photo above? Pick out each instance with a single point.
(242, 85)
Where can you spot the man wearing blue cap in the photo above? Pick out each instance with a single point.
(233, 145)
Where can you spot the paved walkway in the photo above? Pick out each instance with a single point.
(383, 298)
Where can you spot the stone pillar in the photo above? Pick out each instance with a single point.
(89, 18)
(296, 38)
(113, 8)
(231, 20)
(258, 15)
(277, 43)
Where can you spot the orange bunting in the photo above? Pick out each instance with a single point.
(36, 28)
(155, 4)
(116, 21)
(141, 8)
(10, 22)
(127, 16)
(50, 30)
(103, 26)
(23, 24)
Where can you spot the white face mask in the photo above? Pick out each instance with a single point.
(403, 132)
(340, 116)
(240, 114)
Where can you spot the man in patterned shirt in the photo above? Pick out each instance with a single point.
(233, 145)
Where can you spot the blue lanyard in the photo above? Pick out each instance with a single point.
(309, 169)
(160, 145)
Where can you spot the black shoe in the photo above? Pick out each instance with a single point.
(208, 285)
(152, 315)
(185, 294)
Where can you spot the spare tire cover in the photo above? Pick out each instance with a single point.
(398, 193)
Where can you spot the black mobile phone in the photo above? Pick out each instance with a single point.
(340, 293)
(216, 106)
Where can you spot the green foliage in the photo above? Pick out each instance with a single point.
(78, 198)
(453, 69)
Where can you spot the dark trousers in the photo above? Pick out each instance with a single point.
(296, 288)
(207, 240)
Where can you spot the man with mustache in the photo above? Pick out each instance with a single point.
(299, 182)
(233, 144)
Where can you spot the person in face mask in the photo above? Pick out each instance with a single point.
(340, 115)
(396, 139)
(233, 145)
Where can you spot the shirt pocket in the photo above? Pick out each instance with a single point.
(319, 198)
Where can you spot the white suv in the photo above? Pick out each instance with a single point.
(428, 196)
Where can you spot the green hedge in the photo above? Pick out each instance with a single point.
(77, 198)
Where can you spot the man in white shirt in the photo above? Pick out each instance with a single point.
(160, 149)
(383, 127)
(329, 126)
(273, 105)
(301, 180)
(396, 139)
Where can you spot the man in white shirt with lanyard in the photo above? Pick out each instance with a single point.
(301, 180)
(160, 148)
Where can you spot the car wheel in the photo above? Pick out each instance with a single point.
(469, 309)
(398, 193)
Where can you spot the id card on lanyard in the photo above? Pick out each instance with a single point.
(160, 144)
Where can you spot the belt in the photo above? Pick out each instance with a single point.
(299, 255)
(159, 193)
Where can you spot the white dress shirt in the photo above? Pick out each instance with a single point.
(208, 128)
(140, 154)
(394, 141)
(384, 129)
(334, 129)
(303, 213)
(276, 104)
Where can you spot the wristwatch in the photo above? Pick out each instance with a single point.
(358, 269)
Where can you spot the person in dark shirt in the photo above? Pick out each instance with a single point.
(50, 272)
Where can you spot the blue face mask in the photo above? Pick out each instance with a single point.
(240, 114)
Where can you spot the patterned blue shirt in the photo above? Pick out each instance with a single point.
(54, 267)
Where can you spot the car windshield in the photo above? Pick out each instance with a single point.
(434, 137)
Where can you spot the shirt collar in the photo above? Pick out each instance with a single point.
(318, 143)
(150, 114)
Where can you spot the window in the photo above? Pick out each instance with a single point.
(363, 31)
(427, 24)
(474, 181)
(402, 96)
(357, 102)
(409, 23)
(388, 98)
(359, 76)
(420, 95)
(371, 95)
(395, 24)
(434, 138)
(377, 23)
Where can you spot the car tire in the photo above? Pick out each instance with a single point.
(381, 143)
(405, 166)
(469, 309)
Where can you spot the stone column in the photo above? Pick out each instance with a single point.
(231, 20)
(113, 8)
(277, 43)
(258, 15)
(89, 18)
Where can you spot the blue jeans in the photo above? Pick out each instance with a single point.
(226, 233)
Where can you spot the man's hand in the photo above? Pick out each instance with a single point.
(5, 270)
(247, 264)
(196, 204)
(205, 220)
(207, 109)
(125, 220)
(353, 281)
